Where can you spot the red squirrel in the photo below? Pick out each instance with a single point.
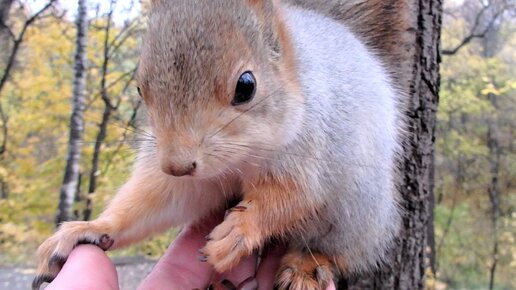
(290, 107)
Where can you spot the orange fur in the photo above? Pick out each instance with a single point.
(305, 270)
(268, 199)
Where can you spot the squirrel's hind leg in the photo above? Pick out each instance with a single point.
(306, 269)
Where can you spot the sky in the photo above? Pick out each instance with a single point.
(124, 8)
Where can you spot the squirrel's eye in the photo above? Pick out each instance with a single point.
(245, 90)
(139, 91)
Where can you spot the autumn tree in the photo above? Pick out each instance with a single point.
(36, 99)
(10, 57)
(113, 44)
(475, 146)
(71, 182)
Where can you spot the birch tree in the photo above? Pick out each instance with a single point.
(69, 188)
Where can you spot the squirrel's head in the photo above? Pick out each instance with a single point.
(219, 81)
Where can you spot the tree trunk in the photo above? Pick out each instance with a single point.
(101, 137)
(495, 153)
(413, 255)
(71, 177)
(106, 116)
(5, 7)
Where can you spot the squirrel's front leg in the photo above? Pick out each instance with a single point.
(272, 206)
(140, 208)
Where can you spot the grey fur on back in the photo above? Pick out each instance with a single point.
(381, 24)
(351, 128)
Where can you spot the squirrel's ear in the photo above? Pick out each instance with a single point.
(272, 23)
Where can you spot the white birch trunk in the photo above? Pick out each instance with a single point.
(71, 177)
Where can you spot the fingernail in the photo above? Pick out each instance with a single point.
(249, 284)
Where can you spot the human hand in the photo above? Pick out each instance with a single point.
(89, 268)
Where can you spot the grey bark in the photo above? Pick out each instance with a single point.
(413, 254)
(72, 171)
(5, 7)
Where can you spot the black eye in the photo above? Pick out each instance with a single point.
(139, 91)
(245, 90)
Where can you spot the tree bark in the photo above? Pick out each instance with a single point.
(71, 178)
(493, 190)
(5, 7)
(413, 254)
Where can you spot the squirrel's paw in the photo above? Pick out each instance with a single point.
(54, 252)
(233, 239)
(300, 270)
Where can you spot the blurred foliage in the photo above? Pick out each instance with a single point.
(478, 89)
(37, 103)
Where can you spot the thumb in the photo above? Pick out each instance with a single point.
(87, 268)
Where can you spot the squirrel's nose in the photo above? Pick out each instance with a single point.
(179, 170)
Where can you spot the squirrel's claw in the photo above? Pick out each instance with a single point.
(40, 279)
(233, 239)
(54, 252)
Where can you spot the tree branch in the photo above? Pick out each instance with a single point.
(474, 34)
(10, 63)
(5, 130)
(18, 40)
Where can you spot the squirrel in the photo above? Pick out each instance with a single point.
(290, 106)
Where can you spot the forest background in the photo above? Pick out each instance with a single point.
(475, 175)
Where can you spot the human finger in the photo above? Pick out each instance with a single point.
(332, 286)
(180, 267)
(269, 266)
(87, 268)
(244, 271)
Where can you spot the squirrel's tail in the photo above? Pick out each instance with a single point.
(382, 24)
